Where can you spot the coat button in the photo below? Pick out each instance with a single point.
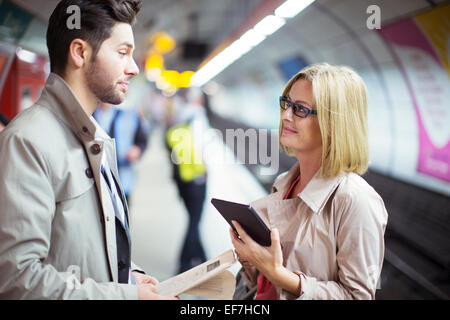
(107, 218)
(95, 149)
(89, 173)
(85, 130)
(122, 264)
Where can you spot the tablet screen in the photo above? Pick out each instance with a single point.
(247, 218)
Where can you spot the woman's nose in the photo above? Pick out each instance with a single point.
(287, 114)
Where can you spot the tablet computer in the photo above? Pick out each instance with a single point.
(247, 218)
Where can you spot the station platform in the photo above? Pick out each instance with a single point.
(159, 219)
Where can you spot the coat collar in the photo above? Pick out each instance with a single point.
(317, 191)
(59, 97)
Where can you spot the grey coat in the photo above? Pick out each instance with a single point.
(55, 224)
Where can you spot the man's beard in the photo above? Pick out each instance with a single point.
(100, 85)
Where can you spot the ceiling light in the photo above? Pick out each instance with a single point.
(250, 39)
(269, 25)
(291, 8)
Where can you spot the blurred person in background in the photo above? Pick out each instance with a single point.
(186, 127)
(329, 220)
(131, 136)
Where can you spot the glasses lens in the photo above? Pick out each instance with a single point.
(300, 111)
(283, 103)
(297, 109)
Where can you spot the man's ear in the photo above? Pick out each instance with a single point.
(79, 53)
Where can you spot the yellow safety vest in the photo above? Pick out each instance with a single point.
(189, 160)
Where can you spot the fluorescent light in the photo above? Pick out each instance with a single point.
(220, 62)
(291, 8)
(205, 74)
(232, 53)
(250, 39)
(269, 25)
(241, 46)
(229, 55)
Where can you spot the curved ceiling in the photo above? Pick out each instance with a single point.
(205, 21)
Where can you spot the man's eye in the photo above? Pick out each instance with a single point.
(123, 53)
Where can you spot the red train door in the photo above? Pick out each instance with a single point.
(22, 78)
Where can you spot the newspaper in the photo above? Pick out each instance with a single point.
(210, 279)
(220, 287)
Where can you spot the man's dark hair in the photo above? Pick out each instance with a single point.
(98, 17)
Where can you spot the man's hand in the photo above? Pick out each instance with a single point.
(146, 287)
(143, 278)
(148, 291)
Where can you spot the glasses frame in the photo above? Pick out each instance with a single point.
(296, 106)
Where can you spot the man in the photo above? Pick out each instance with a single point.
(64, 222)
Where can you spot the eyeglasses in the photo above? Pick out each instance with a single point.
(298, 109)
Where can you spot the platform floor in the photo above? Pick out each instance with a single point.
(159, 218)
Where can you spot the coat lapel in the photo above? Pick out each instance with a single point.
(107, 208)
(279, 213)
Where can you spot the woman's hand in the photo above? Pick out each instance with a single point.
(268, 260)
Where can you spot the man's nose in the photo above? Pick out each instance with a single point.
(132, 68)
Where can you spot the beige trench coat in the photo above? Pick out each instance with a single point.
(55, 223)
(332, 234)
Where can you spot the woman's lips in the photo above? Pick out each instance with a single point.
(288, 131)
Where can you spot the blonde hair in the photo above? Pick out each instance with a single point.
(341, 103)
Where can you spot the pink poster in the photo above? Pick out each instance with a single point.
(420, 46)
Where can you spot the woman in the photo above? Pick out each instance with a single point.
(327, 224)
